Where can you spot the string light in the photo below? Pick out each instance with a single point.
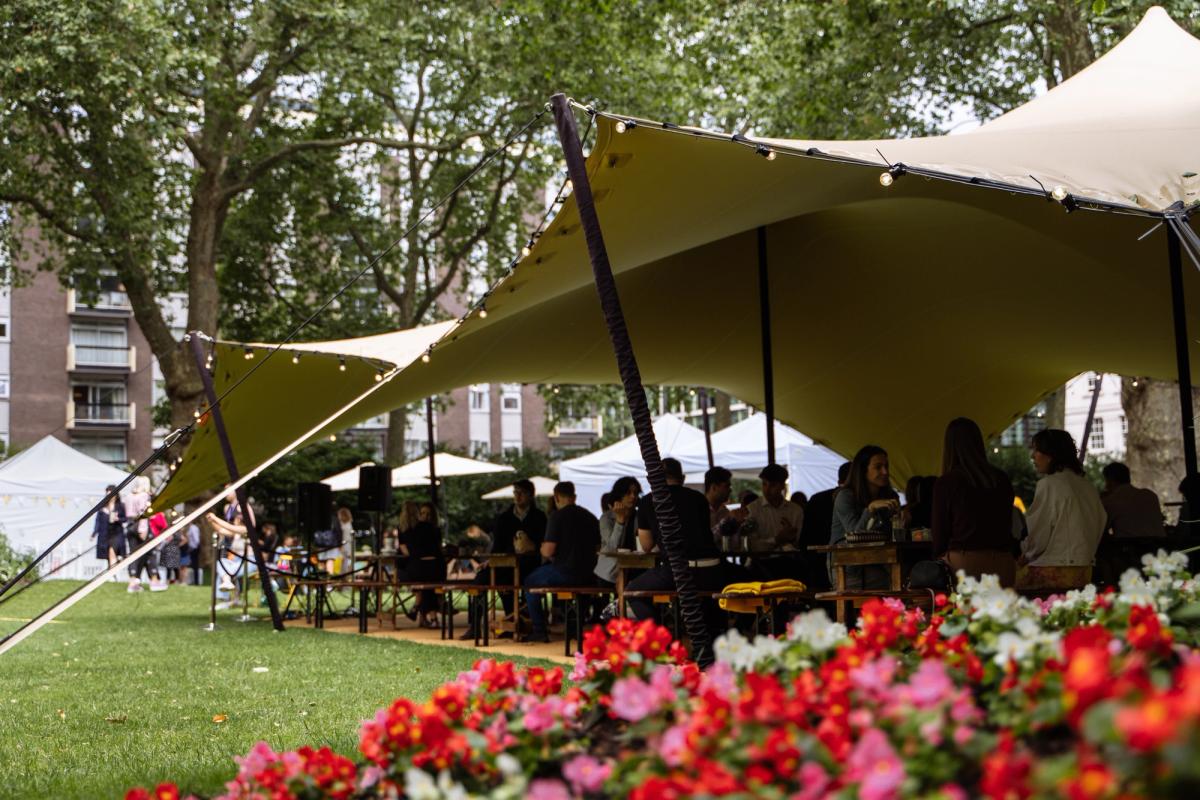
(425, 357)
(249, 354)
(1135, 383)
(196, 413)
(341, 364)
(893, 172)
(527, 249)
(295, 358)
(625, 125)
(483, 313)
(568, 187)
(765, 152)
(1059, 193)
(379, 376)
(333, 437)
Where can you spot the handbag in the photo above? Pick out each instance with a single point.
(933, 575)
(523, 543)
(325, 540)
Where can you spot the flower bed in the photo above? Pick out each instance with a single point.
(1084, 696)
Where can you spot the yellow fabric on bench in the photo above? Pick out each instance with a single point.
(750, 591)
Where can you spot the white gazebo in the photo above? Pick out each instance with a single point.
(416, 473)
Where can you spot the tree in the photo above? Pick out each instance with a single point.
(132, 131)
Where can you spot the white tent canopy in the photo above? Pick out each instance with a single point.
(542, 487)
(416, 473)
(43, 491)
(742, 449)
(593, 474)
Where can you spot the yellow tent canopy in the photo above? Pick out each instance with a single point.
(894, 308)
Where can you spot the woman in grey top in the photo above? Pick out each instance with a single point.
(618, 526)
(867, 490)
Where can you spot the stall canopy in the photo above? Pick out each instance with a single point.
(895, 308)
(416, 473)
(43, 491)
(593, 474)
(542, 487)
(742, 449)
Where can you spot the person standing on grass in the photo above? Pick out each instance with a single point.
(109, 529)
(571, 546)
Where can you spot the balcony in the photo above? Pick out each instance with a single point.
(108, 302)
(103, 357)
(100, 415)
(583, 426)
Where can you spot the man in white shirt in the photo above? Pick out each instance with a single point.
(776, 520)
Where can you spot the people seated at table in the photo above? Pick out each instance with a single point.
(1065, 521)
(570, 547)
(699, 549)
(1132, 511)
(868, 493)
(773, 523)
(971, 507)
(421, 544)
(800, 499)
(618, 530)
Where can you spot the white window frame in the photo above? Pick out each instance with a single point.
(1096, 435)
(478, 397)
(5, 329)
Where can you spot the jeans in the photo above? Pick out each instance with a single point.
(545, 575)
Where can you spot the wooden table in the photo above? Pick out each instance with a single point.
(892, 555)
(504, 561)
(627, 560)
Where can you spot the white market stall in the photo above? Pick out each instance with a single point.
(416, 473)
(43, 491)
(542, 487)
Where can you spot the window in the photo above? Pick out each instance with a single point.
(1124, 426)
(109, 449)
(1096, 440)
(512, 402)
(3, 330)
(100, 402)
(479, 397)
(100, 345)
(3, 387)
(1092, 380)
(480, 448)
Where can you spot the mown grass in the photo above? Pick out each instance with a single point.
(123, 690)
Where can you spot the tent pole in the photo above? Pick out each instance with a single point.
(1183, 363)
(1091, 417)
(707, 433)
(764, 308)
(431, 445)
(635, 393)
(248, 518)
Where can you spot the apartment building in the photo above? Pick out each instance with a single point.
(1107, 436)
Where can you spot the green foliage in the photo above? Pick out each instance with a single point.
(565, 402)
(274, 491)
(122, 690)
(1016, 462)
(12, 560)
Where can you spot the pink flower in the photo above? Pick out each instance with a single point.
(895, 604)
(661, 683)
(721, 679)
(673, 746)
(586, 774)
(580, 672)
(633, 699)
(963, 734)
(952, 791)
(547, 789)
(540, 715)
(873, 764)
(874, 677)
(815, 781)
(930, 684)
(861, 718)
(931, 732)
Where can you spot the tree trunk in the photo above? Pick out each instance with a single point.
(722, 417)
(1056, 408)
(1154, 441)
(397, 422)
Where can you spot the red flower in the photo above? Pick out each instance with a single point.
(763, 699)
(1146, 633)
(334, 774)
(542, 682)
(137, 793)
(1006, 771)
(1148, 725)
(1093, 782)
(451, 699)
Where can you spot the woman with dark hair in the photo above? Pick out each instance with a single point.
(109, 529)
(868, 491)
(972, 507)
(618, 531)
(422, 544)
(1065, 521)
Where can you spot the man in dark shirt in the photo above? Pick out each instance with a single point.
(571, 545)
(703, 557)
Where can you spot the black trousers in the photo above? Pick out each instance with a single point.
(148, 562)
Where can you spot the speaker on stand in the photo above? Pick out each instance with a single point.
(375, 494)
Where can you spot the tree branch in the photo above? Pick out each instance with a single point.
(47, 214)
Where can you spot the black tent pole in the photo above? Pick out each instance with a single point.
(671, 534)
(1183, 363)
(707, 432)
(1091, 417)
(248, 518)
(431, 445)
(764, 309)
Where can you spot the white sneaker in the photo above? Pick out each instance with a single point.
(223, 605)
(133, 588)
(157, 586)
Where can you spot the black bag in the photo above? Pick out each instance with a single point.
(934, 575)
(327, 540)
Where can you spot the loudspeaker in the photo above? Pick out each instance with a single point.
(374, 488)
(314, 508)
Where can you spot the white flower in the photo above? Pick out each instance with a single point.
(815, 629)
(735, 650)
(1024, 642)
(1164, 564)
(508, 765)
(420, 785)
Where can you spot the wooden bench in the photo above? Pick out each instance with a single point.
(918, 597)
(573, 596)
(362, 586)
(445, 591)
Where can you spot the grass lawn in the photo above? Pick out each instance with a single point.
(123, 690)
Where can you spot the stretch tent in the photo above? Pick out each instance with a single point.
(542, 487)
(593, 474)
(742, 449)
(416, 473)
(917, 302)
(44, 490)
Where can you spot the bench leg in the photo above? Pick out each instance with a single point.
(362, 609)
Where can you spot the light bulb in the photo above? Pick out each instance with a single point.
(295, 358)
(249, 354)
(886, 179)
(425, 358)
(483, 313)
(1135, 384)
(341, 365)
(525, 251)
(619, 127)
(771, 154)
(196, 413)
(333, 437)
(568, 186)
(1059, 193)
(378, 376)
